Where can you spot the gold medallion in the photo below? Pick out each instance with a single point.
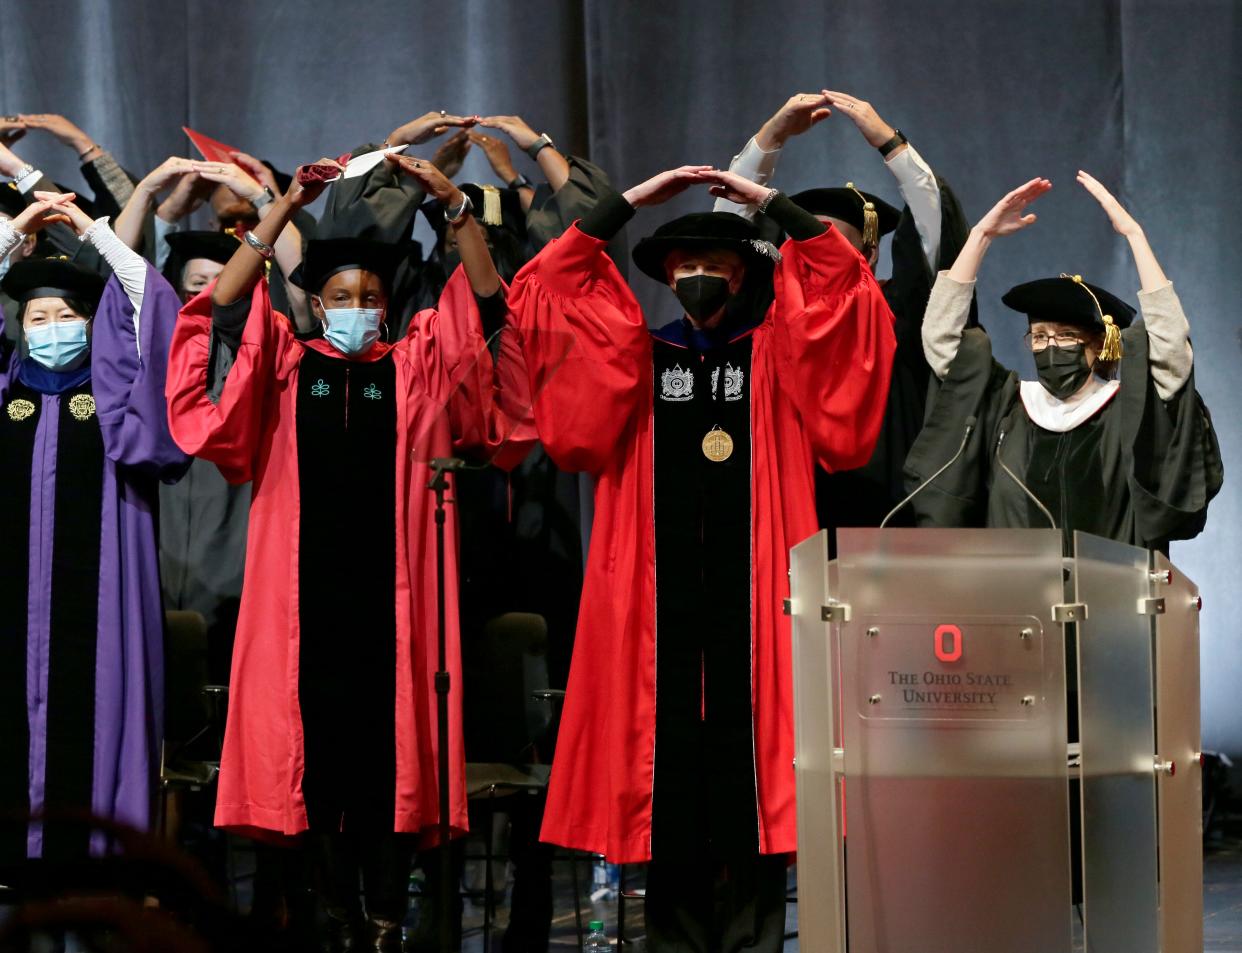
(20, 409)
(82, 406)
(717, 445)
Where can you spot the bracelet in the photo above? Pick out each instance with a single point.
(899, 139)
(538, 145)
(455, 216)
(521, 182)
(82, 155)
(265, 250)
(767, 200)
(24, 171)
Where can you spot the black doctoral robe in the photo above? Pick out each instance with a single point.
(862, 497)
(1141, 471)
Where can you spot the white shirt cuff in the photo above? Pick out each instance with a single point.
(921, 192)
(28, 181)
(129, 267)
(10, 238)
(756, 164)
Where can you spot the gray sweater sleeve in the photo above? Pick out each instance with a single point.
(1168, 340)
(948, 309)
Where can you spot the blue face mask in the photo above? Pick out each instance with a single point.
(58, 345)
(353, 331)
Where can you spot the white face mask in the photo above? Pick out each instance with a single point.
(58, 345)
(352, 331)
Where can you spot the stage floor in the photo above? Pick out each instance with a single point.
(1222, 921)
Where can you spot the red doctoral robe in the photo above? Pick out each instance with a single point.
(251, 434)
(821, 363)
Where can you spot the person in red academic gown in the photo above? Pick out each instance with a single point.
(331, 725)
(676, 745)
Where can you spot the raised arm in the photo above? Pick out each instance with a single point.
(243, 270)
(949, 307)
(252, 181)
(113, 187)
(168, 174)
(1168, 332)
(757, 160)
(471, 242)
(552, 163)
(915, 179)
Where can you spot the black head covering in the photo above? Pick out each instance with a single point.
(845, 204)
(214, 246)
(186, 246)
(508, 202)
(326, 256)
(1066, 299)
(53, 278)
(706, 230)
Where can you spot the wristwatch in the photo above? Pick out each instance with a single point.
(454, 215)
(521, 182)
(899, 139)
(267, 198)
(542, 142)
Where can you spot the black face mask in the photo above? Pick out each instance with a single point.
(702, 295)
(451, 260)
(1062, 370)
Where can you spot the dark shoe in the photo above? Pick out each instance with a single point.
(383, 936)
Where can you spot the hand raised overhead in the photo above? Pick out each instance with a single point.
(662, 187)
(310, 180)
(432, 179)
(1009, 215)
(427, 127)
(63, 203)
(448, 158)
(46, 210)
(735, 188)
(800, 112)
(863, 115)
(1122, 220)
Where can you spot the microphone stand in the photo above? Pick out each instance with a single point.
(439, 485)
(970, 428)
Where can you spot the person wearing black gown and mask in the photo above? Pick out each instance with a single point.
(1112, 437)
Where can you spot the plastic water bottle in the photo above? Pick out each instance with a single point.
(596, 939)
(605, 880)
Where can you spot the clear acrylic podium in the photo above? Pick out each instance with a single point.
(933, 671)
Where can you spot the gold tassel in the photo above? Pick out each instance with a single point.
(871, 219)
(1111, 351)
(491, 205)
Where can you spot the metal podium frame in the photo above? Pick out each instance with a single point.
(933, 673)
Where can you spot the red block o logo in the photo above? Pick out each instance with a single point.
(954, 652)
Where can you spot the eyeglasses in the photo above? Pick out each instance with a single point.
(1037, 341)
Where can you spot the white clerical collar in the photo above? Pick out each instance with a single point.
(1058, 415)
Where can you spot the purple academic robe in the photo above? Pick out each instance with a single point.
(81, 622)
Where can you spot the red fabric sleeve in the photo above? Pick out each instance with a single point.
(587, 349)
(226, 433)
(487, 401)
(835, 346)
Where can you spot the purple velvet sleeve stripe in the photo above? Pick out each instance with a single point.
(129, 391)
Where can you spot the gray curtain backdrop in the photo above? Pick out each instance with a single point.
(1145, 94)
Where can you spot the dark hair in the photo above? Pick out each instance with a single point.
(76, 305)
